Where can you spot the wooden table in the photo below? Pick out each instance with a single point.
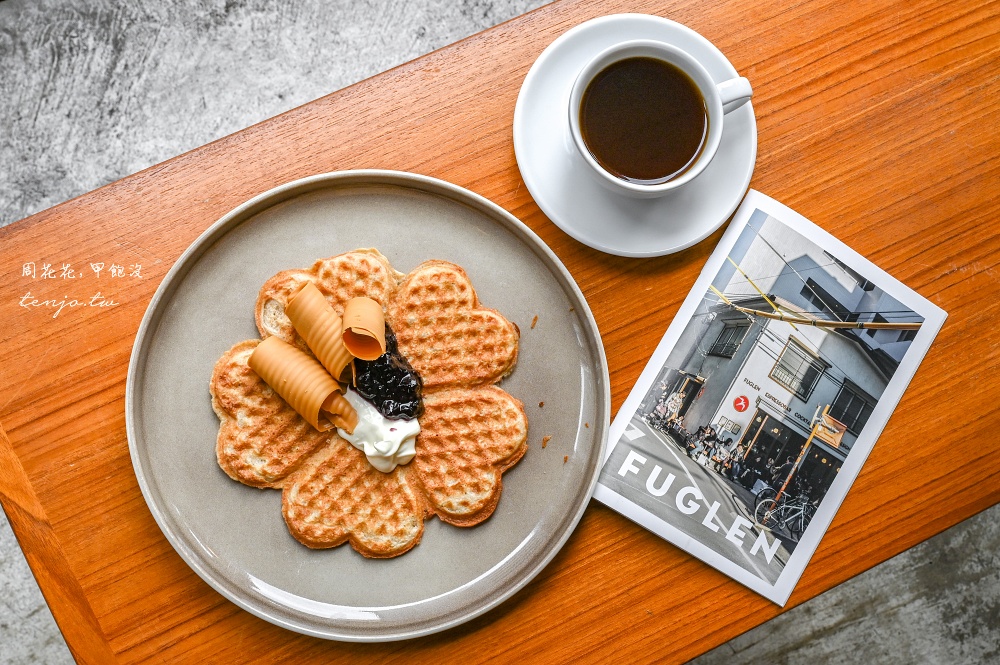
(876, 120)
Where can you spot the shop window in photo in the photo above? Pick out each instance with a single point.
(729, 340)
(852, 407)
(798, 370)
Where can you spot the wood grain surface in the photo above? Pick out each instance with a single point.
(876, 121)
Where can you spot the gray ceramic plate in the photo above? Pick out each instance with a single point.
(234, 537)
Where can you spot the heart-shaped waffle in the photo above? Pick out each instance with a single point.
(471, 430)
(448, 337)
(468, 438)
(363, 272)
(337, 496)
(261, 439)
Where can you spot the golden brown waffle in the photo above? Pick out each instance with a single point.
(337, 496)
(468, 438)
(363, 272)
(448, 337)
(471, 430)
(261, 439)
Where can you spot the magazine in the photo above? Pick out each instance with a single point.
(765, 396)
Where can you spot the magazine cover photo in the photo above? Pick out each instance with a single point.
(758, 402)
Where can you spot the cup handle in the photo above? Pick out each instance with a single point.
(734, 93)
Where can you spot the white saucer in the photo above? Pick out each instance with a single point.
(569, 194)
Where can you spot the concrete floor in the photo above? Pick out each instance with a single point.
(91, 91)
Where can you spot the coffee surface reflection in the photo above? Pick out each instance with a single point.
(644, 120)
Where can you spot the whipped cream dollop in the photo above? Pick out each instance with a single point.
(386, 443)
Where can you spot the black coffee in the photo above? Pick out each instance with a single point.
(644, 120)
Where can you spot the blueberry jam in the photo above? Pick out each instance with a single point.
(390, 383)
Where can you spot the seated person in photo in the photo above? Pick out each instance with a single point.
(736, 463)
(782, 472)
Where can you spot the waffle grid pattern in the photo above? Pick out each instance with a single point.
(471, 430)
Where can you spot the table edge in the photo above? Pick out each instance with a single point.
(62, 591)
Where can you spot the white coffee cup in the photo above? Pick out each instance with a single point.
(720, 99)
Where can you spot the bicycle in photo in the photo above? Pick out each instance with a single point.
(791, 514)
(767, 493)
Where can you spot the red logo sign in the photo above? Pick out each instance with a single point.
(741, 403)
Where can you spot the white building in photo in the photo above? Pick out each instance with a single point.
(761, 381)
